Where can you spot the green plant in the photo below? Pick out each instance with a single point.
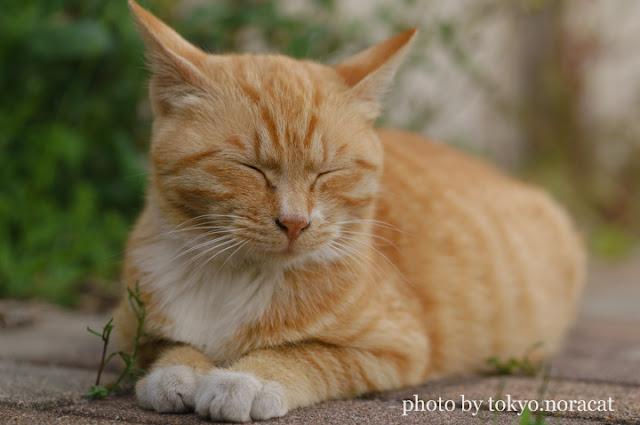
(523, 366)
(130, 371)
(526, 419)
(70, 144)
(539, 415)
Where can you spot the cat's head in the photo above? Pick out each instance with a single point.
(272, 157)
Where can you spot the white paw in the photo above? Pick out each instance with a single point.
(239, 397)
(170, 389)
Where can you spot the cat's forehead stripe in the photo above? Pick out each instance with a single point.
(270, 122)
(193, 159)
(365, 164)
(282, 100)
(311, 128)
(256, 144)
(236, 142)
(249, 91)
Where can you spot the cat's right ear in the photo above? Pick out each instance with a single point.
(175, 63)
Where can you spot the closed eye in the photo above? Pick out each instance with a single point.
(323, 174)
(252, 167)
(256, 169)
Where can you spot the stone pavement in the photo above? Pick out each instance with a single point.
(48, 360)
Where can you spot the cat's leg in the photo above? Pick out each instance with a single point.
(172, 381)
(269, 382)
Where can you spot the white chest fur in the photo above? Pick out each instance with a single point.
(205, 306)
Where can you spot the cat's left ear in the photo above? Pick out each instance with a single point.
(370, 73)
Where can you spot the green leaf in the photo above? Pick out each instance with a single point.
(611, 242)
(126, 357)
(525, 418)
(59, 40)
(447, 31)
(97, 392)
(94, 332)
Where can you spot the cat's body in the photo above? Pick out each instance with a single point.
(289, 253)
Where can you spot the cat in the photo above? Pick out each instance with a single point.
(289, 252)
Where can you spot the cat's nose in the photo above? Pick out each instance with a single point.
(292, 227)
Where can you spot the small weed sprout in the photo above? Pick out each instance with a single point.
(542, 390)
(524, 366)
(130, 371)
(538, 417)
(498, 396)
(525, 418)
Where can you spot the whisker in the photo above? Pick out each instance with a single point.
(206, 217)
(377, 223)
(229, 239)
(361, 258)
(201, 245)
(232, 254)
(246, 253)
(338, 252)
(349, 252)
(368, 245)
(213, 232)
(198, 218)
(180, 228)
(224, 216)
(208, 260)
(203, 222)
(210, 224)
(187, 229)
(351, 232)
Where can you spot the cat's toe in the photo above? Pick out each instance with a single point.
(269, 402)
(227, 396)
(238, 397)
(170, 389)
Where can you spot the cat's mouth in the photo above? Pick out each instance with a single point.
(289, 251)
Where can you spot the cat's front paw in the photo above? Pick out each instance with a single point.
(239, 397)
(170, 389)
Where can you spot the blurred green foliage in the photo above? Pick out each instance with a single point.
(72, 140)
(611, 241)
(70, 164)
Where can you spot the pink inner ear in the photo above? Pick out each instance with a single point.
(355, 69)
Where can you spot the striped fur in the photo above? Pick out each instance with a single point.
(418, 261)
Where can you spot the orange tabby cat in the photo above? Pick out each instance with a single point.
(290, 253)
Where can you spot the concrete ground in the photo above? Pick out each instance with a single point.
(48, 360)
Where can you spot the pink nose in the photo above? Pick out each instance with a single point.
(292, 226)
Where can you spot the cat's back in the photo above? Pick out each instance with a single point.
(427, 179)
(496, 262)
(434, 180)
(409, 155)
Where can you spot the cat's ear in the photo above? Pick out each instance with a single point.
(370, 73)
(175, 63)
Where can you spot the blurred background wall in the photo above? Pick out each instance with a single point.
(549, 90)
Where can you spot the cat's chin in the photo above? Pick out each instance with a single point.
(291, 256)
(288, 254)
